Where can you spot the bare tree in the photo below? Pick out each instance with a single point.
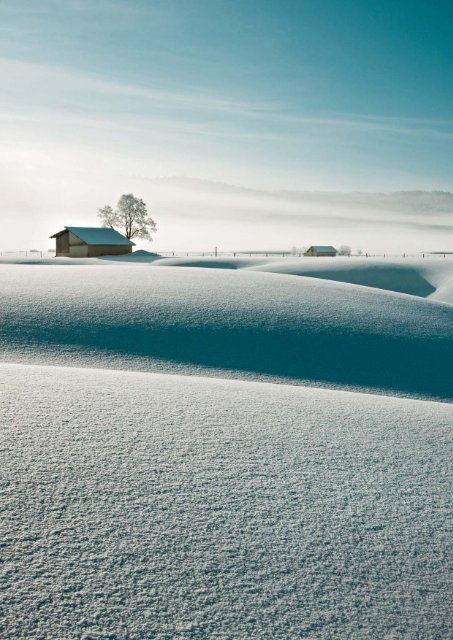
(345, 250)
(130, 216)
(107, 216)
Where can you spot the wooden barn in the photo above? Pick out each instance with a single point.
(321, 252)
(89, 242)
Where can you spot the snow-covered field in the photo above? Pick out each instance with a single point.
(229, 322)
(158, 483)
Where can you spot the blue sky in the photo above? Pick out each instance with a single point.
(329, 95)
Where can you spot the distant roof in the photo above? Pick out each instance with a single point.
(97, 235)
(322, 249)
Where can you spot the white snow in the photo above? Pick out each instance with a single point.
(251, 323)
(136, 257)
(430, 277)
(140, 505)
(418, 277)
(226, 262)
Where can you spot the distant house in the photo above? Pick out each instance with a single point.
(321, 252)
(89, 242)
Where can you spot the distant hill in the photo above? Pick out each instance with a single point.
(420, 209)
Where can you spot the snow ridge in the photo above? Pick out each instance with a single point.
(263, 324)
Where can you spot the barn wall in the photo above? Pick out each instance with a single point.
(74, 240)
(315, 254)
(62, 245)
(107, 250)
(78, 251)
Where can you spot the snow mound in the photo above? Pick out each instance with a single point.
(136, 256)
(139, 256)
(432, 278)
(424, 278)
(428, 277)
(150, 506)
(444, 293)
(401, 278)
(228, 322)
(212, 263)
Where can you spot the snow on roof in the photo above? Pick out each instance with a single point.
(322, 249)
(98, 235)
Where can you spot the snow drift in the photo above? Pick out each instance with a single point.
(144, 505)
(149, 506)
(250, 323)
(424, 278)
(429, 277)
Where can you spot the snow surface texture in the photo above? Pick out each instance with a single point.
(423, 278)
(138, 257)
(431, 277)
(241, 321)
(141, 505)
(144, 505)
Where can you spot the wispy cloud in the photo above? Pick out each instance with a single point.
(67, 82)
(75, 91)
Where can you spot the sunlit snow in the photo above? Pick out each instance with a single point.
(206, 320)
(158, 483)
(142, 505)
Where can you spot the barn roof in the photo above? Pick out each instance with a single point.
(323, 249)
(97, 235)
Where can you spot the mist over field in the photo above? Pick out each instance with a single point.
(197, 215)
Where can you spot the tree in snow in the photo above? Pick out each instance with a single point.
(345, 250)
(130, 217)
(107, 216)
